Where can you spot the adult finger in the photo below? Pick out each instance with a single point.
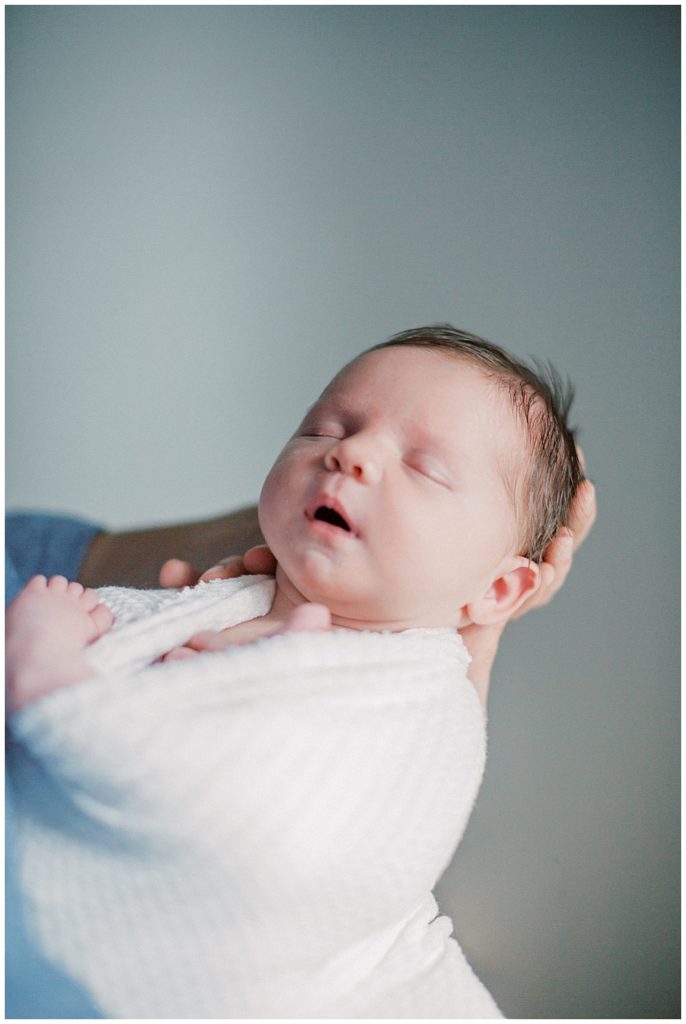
(256, 560)
(583, 512)
(227, 569)
(559, 555)
(259, 560)
(176, 573)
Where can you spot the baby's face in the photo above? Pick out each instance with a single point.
(389, 504)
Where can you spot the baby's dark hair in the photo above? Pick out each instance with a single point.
(541, 400)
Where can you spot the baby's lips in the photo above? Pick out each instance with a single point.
(330, 502)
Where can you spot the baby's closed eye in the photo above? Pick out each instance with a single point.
(323, 431)
(321, 428)
(430, 470)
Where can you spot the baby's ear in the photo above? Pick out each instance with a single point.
(506, 593)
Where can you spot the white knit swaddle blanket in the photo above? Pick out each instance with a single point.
(252, 833)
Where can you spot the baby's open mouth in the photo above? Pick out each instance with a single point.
(329, 515)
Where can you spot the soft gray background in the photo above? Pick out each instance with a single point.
(209, 209)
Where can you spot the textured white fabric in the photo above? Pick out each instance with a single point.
(256, 832)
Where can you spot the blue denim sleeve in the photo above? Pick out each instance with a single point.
(34, 988)
(37, 542)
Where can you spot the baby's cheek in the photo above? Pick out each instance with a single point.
(272, 497)
(281, 515)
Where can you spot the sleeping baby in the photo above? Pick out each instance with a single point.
(236, 801)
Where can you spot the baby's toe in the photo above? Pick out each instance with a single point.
(75, 589)
(37, 583)
(102, 618)
(89, 599)
(58, 584)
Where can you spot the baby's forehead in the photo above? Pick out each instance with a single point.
(398, 363)
(382, 373)
(434, 391)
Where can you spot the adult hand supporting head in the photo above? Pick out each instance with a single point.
(482, 641)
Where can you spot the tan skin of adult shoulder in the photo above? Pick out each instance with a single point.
(169, 556)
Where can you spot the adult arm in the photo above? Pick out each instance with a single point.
(134, 558)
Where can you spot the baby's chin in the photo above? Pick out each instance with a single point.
(313, 583)
(319, 583)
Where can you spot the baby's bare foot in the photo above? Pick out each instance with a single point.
(48, 627)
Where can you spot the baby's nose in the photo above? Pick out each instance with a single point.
(355, 458)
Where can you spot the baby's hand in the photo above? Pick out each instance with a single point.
(306, 618)
(175, 573)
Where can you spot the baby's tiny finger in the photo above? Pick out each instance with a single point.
(178, 654)
(207, 640)
(309, 618)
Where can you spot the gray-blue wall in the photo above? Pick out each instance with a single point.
(209, 209)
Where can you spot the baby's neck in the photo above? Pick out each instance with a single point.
(288, 597)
